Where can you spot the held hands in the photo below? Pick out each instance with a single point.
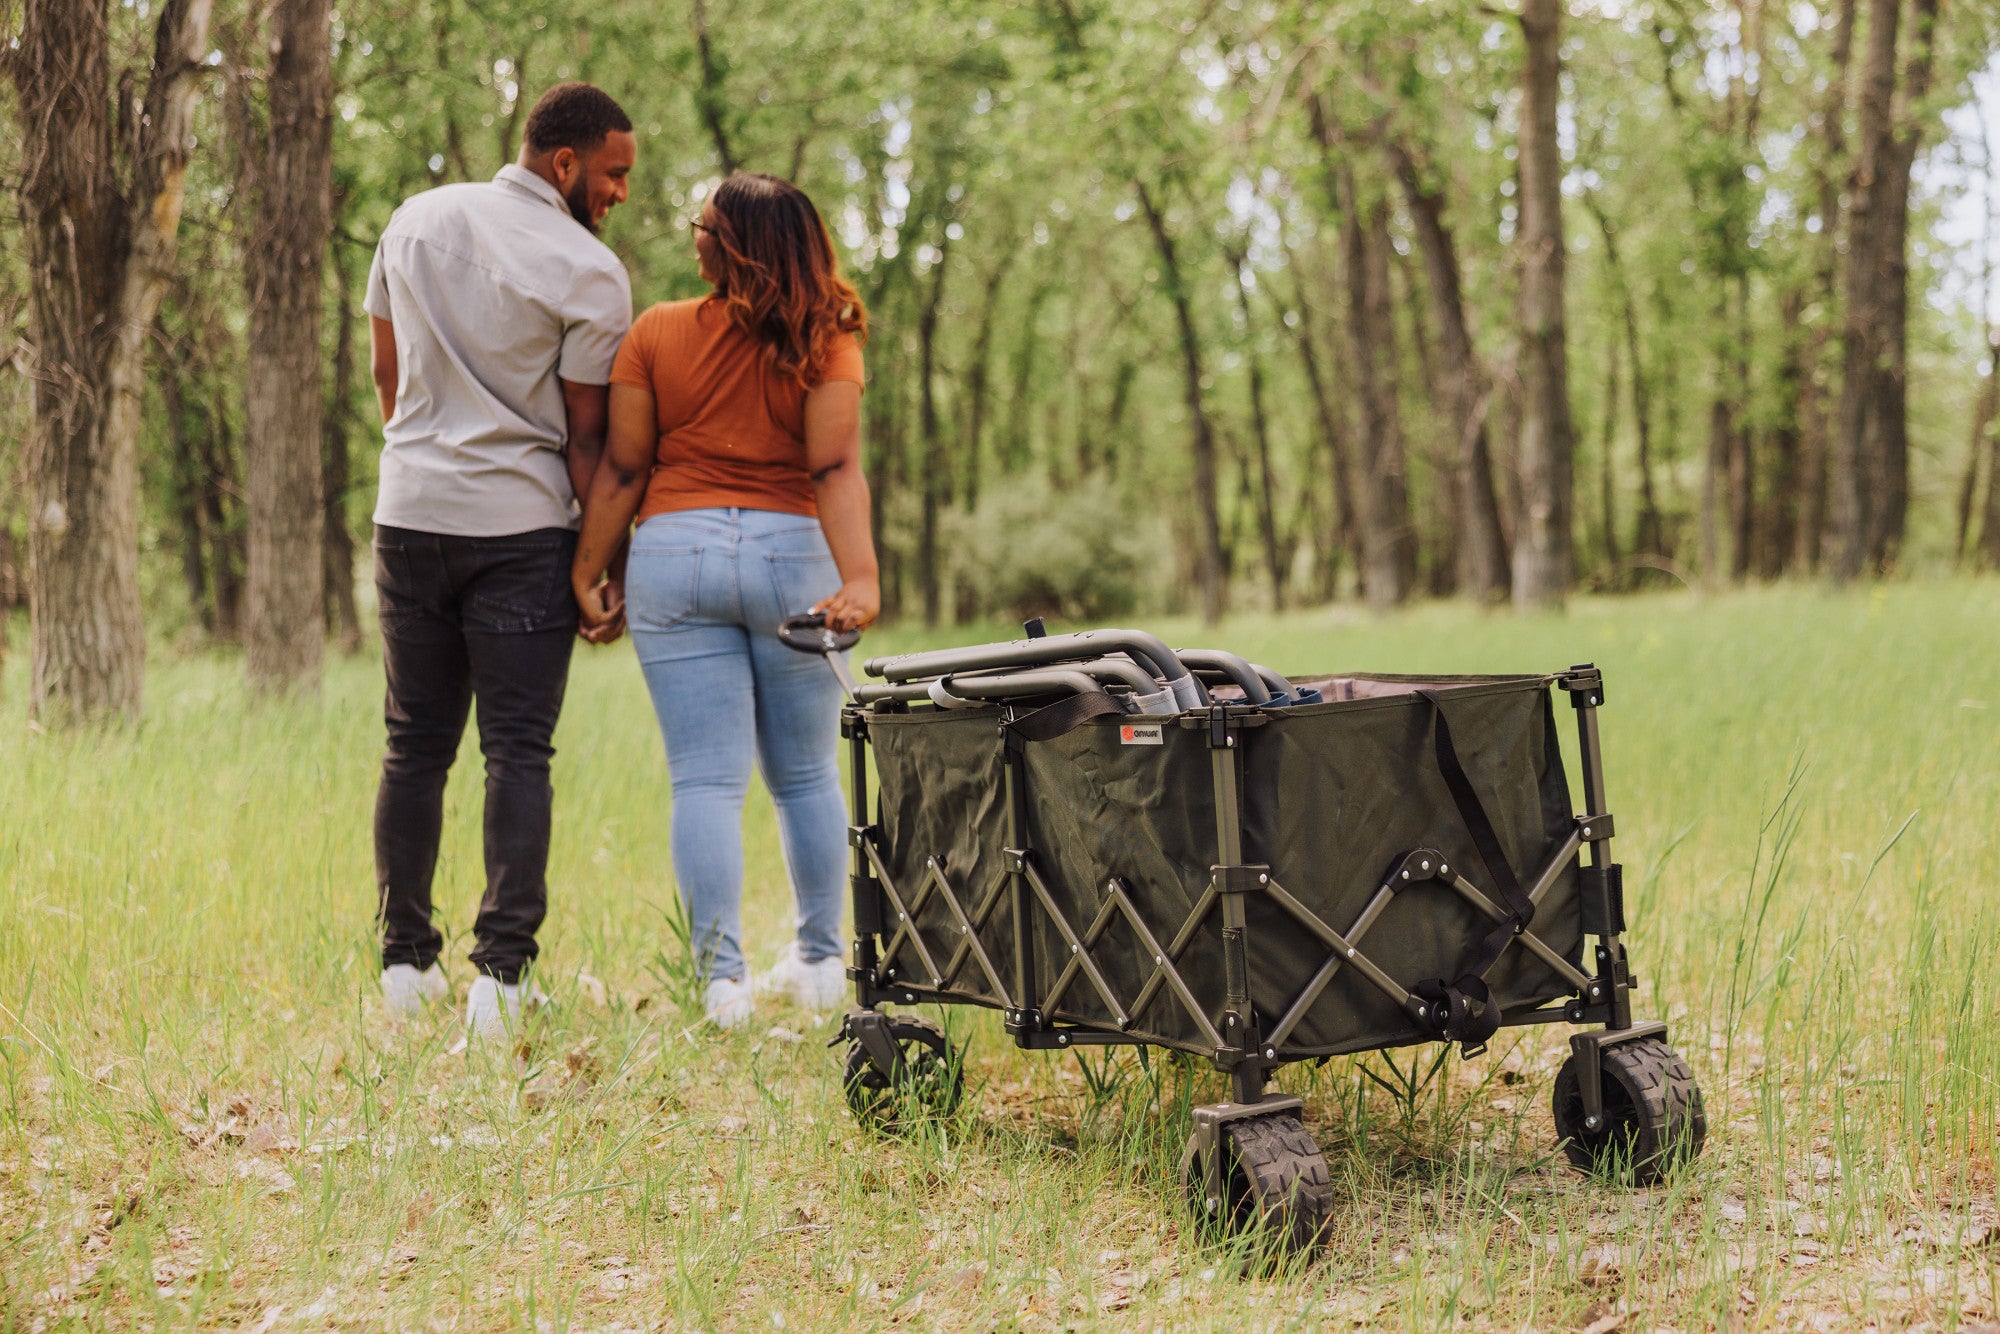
(602, 608)
(854, 607)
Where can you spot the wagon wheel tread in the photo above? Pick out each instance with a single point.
(1290, 1180)
(931, 1075)
(1662, 1122)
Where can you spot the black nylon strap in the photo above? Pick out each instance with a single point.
(1465, 1025)
(1473, 812)
(1053, 720)
(1461, 1011)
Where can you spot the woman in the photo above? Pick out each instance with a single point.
(735, 436)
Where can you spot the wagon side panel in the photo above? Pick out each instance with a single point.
(942, 809)
(1143, 815)
(1337, 795)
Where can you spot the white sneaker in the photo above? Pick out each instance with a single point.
(493, 1007)
(729, 1003)
(819, 985)
(405, 991)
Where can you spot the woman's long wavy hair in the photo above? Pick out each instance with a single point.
(779, 279)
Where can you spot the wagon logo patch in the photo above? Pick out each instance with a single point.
(1139, 734)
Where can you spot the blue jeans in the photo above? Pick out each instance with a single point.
(704, 592)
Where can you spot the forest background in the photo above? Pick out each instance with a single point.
(1178, 304)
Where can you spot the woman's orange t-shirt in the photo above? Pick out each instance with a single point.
(732, 431)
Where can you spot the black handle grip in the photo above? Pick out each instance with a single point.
(808, 633)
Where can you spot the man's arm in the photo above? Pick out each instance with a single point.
(382, 364)
(588, 406)
(597, 317)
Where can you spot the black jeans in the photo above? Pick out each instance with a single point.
(490, 619)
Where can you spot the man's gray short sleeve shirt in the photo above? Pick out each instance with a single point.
(495, 292)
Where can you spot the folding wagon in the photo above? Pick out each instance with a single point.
(1112, 842)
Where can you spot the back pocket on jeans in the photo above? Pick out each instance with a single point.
(522, 586)
(802, 580)
(660, 586)
(396, 596)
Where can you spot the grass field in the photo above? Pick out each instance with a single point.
(204, 1122)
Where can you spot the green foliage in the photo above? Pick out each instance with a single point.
(1083, 552)
(985, 158)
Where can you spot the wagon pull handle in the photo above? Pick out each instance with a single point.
(809, 633)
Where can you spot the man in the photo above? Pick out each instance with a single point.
(495, 313)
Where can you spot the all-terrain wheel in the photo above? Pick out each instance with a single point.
(928, 1081)
(1653, 1118)
(1274, 1181)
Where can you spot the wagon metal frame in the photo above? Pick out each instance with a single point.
(1620, 1060)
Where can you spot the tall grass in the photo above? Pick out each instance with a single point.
(204, 1123)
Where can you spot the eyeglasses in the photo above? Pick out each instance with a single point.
(700, 226)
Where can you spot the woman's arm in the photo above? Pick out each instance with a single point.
(615, 492)
(833, 457)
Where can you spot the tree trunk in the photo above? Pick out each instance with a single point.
(1016, 450)
(1871, 446)
(1482, 547)
(195, 403)
(1607, 484)
(1648, 539)
(10, 585)
(1650, 532)
(1726, 476)
(1436, 540)
(1986, 406)
(1389, 563)
(884, 440)
(1116, 414)
(882, 414)
(1781, 517)
(1891, 463)
(1346, 535)
(1210, 573)
(1065, 408)
(1987, 436)
(1830, 133)
(1851, 520)
(509, 128)
(1715, 461)
(1544, 562)
(222, 518)
(290, 176)
(100, 251)
(1742, 472)
(936, 468)
(1348, 470)
(341, 618)
(190, 477)
(979, 376)
(1745, 102)
(1810, 534)
(1260, 426)
(1968, 485)
(456, 167)
(710, 97)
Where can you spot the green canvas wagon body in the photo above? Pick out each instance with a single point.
(1112, 842)
(1333, 796)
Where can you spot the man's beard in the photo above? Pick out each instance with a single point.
(578, 200)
